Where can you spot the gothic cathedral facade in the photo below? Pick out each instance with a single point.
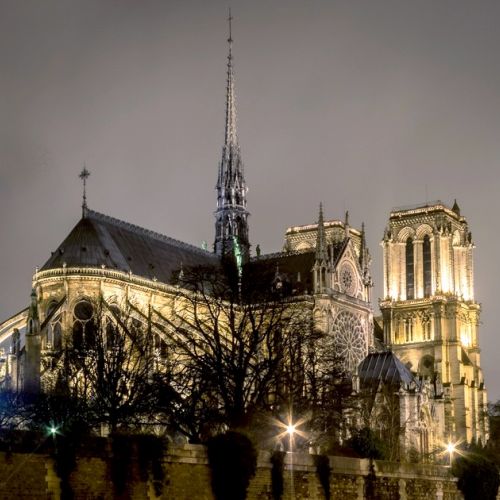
(430, 316)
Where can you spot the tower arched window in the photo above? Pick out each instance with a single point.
(426, 249)
(410, 271)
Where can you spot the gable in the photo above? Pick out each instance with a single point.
(347, 275)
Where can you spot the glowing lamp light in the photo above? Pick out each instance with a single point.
(290, 429)
(52, 430)
(451, 449)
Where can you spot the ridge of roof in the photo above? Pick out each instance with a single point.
(341, 250)
(276, 255)
(327, 223)
(148, 232)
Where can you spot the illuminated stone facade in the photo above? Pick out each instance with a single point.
(430, 317)
(429, 313)
(341, 285)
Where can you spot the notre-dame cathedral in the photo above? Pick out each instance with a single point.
(425, 343)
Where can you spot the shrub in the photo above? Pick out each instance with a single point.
(323, 470)
(477, 476)
(121, 450)
(233, 461)
(278, 465)
(367, 445)
(150, 457)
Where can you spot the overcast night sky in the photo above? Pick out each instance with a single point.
(364, 105)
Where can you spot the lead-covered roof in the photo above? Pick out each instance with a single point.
(99, 240)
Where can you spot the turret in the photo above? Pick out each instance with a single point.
(321, 264)
(33, 345)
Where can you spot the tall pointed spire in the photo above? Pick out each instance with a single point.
(230, 132)
(231, 225)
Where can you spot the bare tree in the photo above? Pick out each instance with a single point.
(330, 395)
(235, 349)
(380, 411)
(112, 365)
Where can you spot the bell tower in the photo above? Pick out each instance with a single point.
(429, 311)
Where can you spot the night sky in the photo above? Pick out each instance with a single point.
(364, 105)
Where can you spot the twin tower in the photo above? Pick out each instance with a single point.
(430, 317)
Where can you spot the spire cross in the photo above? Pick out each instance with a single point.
(84, 175)
(229, 19)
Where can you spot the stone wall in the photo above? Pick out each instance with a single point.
(187, 477)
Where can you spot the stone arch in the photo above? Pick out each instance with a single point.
(303, 245)
(425, 425)
(405, 233)
(422, 230)
(457, 239)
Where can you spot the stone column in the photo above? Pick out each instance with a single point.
(402, 490)
(439, 490)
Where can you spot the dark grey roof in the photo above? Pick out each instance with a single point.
(294, 269)
(385, 367)
(98, 240)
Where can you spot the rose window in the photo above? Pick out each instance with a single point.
(347, 280)
(349, 339)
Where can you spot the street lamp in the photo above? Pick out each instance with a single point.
(291, 429)
(450, 449)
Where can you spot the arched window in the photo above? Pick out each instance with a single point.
(410, 273)
(52, 336)
(83, 326)
(57, 335)
(426, 248)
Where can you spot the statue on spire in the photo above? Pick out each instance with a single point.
(231, 216)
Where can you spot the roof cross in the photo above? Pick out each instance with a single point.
(84, 175)
(230, 18)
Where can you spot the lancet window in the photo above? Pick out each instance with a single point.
(426, 250)
(52, 340)
(410, 272)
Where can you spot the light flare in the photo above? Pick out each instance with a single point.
(290, 428)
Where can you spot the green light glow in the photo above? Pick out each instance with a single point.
(238, 255)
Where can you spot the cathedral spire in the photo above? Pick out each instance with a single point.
(230, 132)
(231, 224)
